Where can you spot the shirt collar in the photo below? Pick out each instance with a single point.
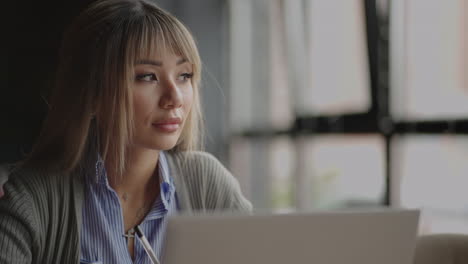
(167, 188)
(167, 182)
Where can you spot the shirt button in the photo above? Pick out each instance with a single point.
(165, 187)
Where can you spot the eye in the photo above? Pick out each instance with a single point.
(185, 76)
(147, 77)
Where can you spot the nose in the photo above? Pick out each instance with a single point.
(172, 96)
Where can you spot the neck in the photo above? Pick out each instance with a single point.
(139, 172)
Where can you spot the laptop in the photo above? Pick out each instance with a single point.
(333, 237)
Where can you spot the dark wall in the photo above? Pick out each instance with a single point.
(34, 33)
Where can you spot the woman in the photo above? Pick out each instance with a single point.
(117, 150)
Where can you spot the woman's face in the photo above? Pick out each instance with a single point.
(162, 99)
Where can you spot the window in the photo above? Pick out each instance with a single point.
(430, 56)
(339, 81)
(341, 171)
(264, 168)
(430, 172)
(352, 103)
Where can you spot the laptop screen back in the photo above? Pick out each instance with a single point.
(383, 237)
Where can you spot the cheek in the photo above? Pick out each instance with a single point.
(188, 100)
(143, 104)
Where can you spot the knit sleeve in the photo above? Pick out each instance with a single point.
(16, 225)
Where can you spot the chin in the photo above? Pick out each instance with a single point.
(166, 147)
(161, 145)
(164, 143)
(158, 142)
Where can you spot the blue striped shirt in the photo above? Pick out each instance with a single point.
(102, 227)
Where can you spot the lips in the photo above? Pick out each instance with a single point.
(168, 125)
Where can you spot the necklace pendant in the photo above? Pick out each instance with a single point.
(130, 233)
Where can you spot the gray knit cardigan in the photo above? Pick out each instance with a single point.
(40, 214)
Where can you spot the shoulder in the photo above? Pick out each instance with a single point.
(205, 176)
(26, 184)
(201, 167)
(195, 160)
(37, 195)
(31, 190)
(36, 183)
(21, 208)
(37, 206)
(19, 192)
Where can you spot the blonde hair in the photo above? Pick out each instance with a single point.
(91, 105)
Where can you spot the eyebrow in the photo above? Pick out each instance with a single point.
(159, 63)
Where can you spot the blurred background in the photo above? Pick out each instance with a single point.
(312, 104)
